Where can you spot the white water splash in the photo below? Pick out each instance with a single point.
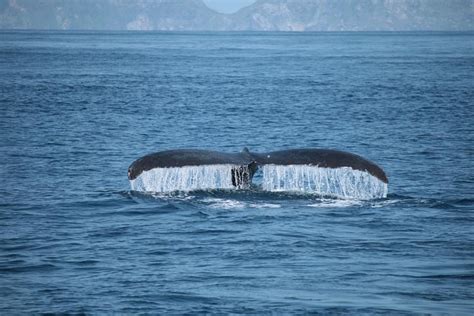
(337, 203)
(342, 182)
(226, 204)
(188, 178)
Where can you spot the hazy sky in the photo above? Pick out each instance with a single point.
(228, 6)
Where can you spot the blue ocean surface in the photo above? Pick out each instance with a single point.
(77, 108)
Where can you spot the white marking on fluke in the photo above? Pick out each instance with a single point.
(343, 182)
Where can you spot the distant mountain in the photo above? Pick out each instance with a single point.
(264, 15)
(356, 15)
(110, 15)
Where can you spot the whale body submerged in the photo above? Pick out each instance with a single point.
(237, 170)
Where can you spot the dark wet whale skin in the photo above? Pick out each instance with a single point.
(325, 158)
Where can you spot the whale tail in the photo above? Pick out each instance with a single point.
(322, 171)
(242, 175)
(322, 158)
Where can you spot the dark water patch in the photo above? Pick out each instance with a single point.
(29, 268)
(144, 211)
(92, 204)
(158, 252)
(361, 311)
(466, 277)
(442, 205)
(147, 211)
(435, 296)
(109, 232)
(463, 202)
(81, 263)
(11, 262)
(212, 232)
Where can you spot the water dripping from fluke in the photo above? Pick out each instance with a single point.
(191, 178)
(343, 182)
(319, 172)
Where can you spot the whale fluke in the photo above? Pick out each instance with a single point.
(323, 158)
(186, 157)
(183, 168)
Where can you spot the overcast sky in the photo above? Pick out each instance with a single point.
(228, 6)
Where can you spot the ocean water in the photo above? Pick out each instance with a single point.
(76, 108)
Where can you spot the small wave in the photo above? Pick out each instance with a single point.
(254, 198)
(110, 233)
(225, 203)
(464, 202)
(264, 205)
(336, 203)
(29, 268)
(383, 203)
(86, 262)
(457, 276)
